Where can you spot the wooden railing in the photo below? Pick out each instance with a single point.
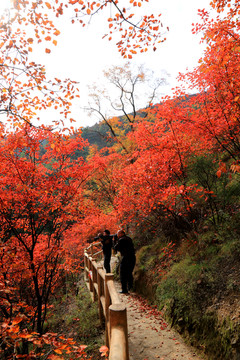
(111, 310)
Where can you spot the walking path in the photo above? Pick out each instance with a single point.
(150, 337)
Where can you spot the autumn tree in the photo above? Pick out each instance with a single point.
(185, 134)
(187, 129)
(38, 188)
(36, 197)
(26, 88)
(130, 94)
(136, 32)
(216, 115)
(26, 92)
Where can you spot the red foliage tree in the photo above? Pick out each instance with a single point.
(155, 182)
(38, 186)
(216, 107)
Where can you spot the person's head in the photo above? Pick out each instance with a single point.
(120, 233)
(106, 232)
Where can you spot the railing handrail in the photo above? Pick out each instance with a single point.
(111, 309)
(93, 245)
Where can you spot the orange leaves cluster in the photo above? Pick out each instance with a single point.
(42, 345)
(151, 182)
(137, 33)
(104, 351)
(133, 36)
(37, 194)
(48, 5)
(135, 3)
(233, 7)
(34, 15)
(25, 88)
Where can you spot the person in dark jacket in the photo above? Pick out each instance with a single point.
(125, 246)
(107, 244)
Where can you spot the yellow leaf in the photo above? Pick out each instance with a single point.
(58, 351)
(48, 5)
(17, 320)
(88, 11)
(25, 336)
(37, 342)
(57, 32)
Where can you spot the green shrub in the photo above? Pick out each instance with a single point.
(75, 316)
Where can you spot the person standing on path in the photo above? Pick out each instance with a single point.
(125, 246)
(107, 244)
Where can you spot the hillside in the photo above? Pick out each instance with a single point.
(188, 262)
(196, 285)
(100, 134)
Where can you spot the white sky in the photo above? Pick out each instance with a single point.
(82, 54)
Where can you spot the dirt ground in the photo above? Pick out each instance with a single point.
(150, 337)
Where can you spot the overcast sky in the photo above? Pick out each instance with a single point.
(82, 54)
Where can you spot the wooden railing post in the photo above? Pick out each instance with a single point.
(94, 279)
(88, 265)
(92, 250)
(118, 332)
(85, 266)
(101, 286)
(107, 304)
(90, 275)
(100, 293)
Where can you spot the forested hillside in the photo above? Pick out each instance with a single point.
(172, 181)
(167, 174)
(101, 133)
